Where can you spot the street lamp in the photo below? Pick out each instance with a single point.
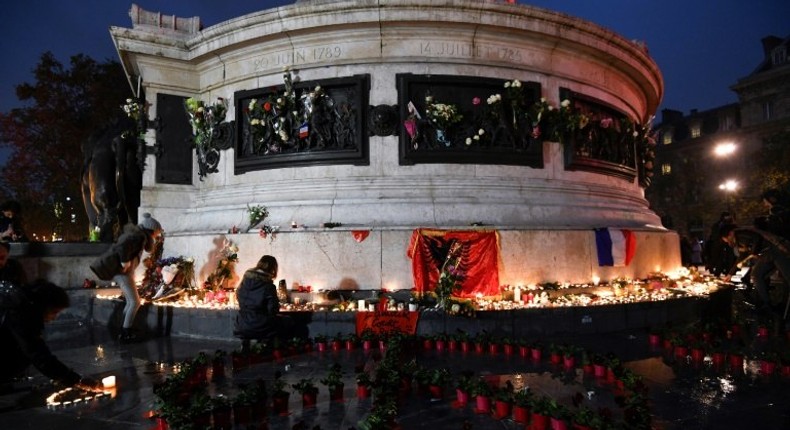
(729, 186)
(724, 149)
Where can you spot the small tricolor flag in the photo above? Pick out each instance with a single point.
(304, 131)
(615, 247)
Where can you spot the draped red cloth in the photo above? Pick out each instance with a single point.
(479, 260)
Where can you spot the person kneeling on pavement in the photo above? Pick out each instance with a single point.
(23, 312)
(259, 315)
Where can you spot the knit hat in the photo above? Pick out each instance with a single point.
(149, 223)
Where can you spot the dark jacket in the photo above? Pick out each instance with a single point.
(21, 334)
(258, 307)
(128, 247)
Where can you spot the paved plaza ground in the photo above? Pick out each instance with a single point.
(682, 396)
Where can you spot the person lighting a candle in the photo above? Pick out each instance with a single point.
(23, 312)
(119, 262)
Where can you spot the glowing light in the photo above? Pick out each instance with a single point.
(596, 280)
(108, 381)
(724, 149)
(729, 185)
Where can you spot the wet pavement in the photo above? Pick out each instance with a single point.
(683, 395)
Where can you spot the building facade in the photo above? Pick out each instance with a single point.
(721, 159)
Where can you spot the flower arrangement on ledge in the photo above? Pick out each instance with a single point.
(227, 257)
(258, 214)
(289, 122)
(509, 119)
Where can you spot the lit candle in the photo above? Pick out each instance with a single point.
(596, 280)
(361, 306)
(517, 294)
(108, 381)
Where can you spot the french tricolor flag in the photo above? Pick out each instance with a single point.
(304, 131)
(615, 247)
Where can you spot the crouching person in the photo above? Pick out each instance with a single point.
(23, 312)
(259, 318)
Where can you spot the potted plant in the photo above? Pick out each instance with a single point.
(381, 417)
(463, 340)
(464, 387)
(558, 415)
(242, 405)
(437, 380)
(522, 399)
(503, 402)
(523, 348)
(309, 391)
(218, 364)
(221, 412)
(536, 351)
(586, 362)
(555, 353)
(320, 342)
(569, 354)
(440, 341)
(351, 341)
(337, 342)
(508, 346)
(368, 338)
(481, 341)
(200, 409)
(334, 382)
(364, 384)
(680, 346)
(482, 392)
(586, 419)
(427, 341)
(697, 352)
(280, 396)
(239, 359)
(541, 408)
(171, 407)
(768, 362)
(735, 356)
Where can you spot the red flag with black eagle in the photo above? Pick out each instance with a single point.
(478, 260)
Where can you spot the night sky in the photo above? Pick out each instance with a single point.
(701, 47)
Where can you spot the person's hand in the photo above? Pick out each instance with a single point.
(89, 384)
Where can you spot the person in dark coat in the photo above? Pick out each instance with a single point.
(120, 261)
(727, 258)
(771, 257)
(714, 246)
(258, 317)
(10, 226)
(23, 313)
(11, 271)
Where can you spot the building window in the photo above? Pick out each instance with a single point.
(767, 110)
(727, 124)
(666, 139)
(695, 131)
(666, 169)
(779, 56)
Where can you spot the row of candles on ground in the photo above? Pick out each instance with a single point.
(73, 397)
(513, 297)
